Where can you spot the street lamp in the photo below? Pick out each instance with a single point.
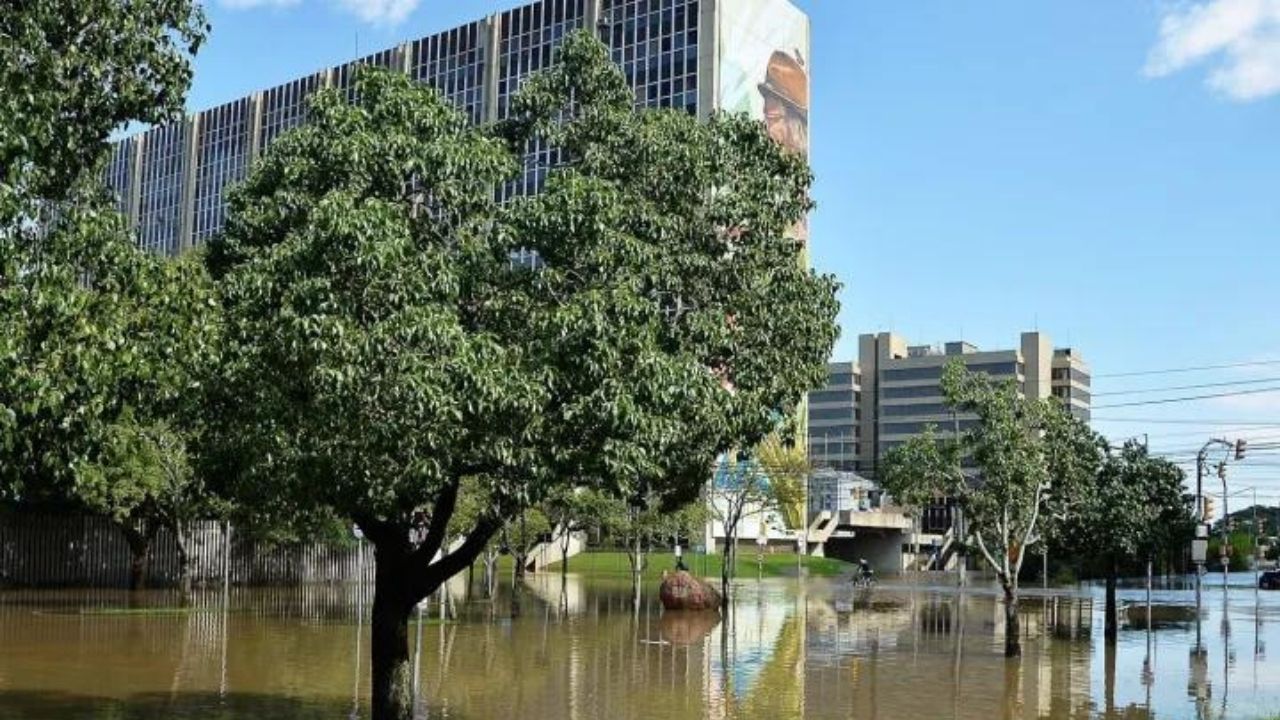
(1199, 545)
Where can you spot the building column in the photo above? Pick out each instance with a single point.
(492, 39)
(134, 203)
(708, 58)
(187, 227)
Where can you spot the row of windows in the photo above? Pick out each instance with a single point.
(453, 62)
(840, 413)
(1067, 392)
(935, 372)
(118, 174)
(164, 165)
(844, 378)
(655, 41)
(656, 45)
(223, 158)
(1079, 376)
(910, 392)
(833, 433)
(916, 409)
(848, 397)
(826, 450)
(285, 106)
(915, 428)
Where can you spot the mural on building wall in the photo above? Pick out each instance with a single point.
(764, 72)
(764, 67)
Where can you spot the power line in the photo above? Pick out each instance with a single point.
(1188, 387)
(1190, 398)
(1171, 371)
(1189, 421)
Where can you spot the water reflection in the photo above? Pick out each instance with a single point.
(586, 650)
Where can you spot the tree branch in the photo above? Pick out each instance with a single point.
(1031, 526)
(440, 516)
(421, 584)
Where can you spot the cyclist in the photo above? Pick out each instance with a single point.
(866, 575)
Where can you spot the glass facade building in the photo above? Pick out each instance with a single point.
(692, 55)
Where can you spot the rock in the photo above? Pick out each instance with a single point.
(684, 628)
(682, 591)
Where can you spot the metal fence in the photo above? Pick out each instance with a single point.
(89, 551)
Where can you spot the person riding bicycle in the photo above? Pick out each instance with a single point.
(865, 573)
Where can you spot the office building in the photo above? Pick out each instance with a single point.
(698, 56)
(893, 393)
(833, 418)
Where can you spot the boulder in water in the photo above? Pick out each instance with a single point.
(682, 591)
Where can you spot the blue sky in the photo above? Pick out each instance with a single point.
(1108, 172)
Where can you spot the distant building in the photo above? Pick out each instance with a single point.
(892, 393)
(696, 56)
(833, 418)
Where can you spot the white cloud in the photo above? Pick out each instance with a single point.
(1240, 38)
(376, 12)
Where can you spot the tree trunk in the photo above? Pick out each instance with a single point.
(184, 561)
(728, 563)
(389, 645)
(1110, 625)
(139, 542)
(637, 568)
(564, 556)
(1012, 624)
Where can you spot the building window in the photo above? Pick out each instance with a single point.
(223, 158)
(831, 396)
(164, 169)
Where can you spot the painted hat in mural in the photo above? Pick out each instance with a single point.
(787, 80)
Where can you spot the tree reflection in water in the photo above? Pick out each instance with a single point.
(584, 650)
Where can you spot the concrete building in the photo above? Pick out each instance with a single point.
(694, 55)
(833, 418)
(892, 393)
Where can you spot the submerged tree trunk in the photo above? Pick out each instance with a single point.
(405, 575)
(1012, 624)
(184, 560)
(139, 542)
(1111, 630)
(637, 569)
(565, 541)
(728, 563)
(389, 645)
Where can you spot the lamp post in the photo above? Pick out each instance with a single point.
(1199, 545)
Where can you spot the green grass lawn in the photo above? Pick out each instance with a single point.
(775, 564)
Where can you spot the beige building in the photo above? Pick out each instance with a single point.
(893, 393)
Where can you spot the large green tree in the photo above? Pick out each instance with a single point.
(383, 345)
(1024, 457)
(97, 339)
(1132, 508)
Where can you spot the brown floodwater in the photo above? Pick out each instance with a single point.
(582, 649)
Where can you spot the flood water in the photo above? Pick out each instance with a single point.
(789, 649)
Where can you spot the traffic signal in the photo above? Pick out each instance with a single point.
(1208, 509)
(1240, 447)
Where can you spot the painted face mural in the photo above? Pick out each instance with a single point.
(765, 71)
(786, 101)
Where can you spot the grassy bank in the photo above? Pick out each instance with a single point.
(775, 565)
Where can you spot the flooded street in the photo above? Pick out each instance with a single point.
(817, 649)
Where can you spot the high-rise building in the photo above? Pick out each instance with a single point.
(694, 55)
(833, 418)
(894, 392)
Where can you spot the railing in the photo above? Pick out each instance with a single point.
(88, 551)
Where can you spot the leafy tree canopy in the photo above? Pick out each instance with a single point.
(75, 70)
(385, 345)
(90, 329)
